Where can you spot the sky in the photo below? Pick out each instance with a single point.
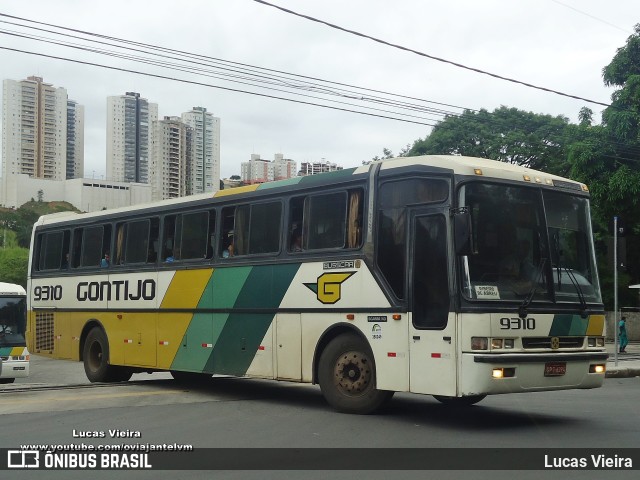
(559, 45)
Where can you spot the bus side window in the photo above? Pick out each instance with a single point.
(324, 221)
(154, 240)
(193, 235)
(226, 243)
(168, 238)
(90, 244)
(211, 242)
(294, 232)
(53, 250)
(265, 228)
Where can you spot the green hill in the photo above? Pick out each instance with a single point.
(45, 208)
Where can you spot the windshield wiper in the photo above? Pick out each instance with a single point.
(522, 309)
(583, 302)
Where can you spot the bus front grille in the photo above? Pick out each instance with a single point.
(546, 342)
(44, 331)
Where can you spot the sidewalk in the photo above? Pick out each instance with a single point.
(628, 362)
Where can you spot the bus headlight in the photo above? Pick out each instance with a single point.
(595, 341)
(479, 343)
(500, 343)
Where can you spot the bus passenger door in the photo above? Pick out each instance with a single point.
(432, 368)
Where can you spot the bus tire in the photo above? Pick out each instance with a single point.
(459, 401)
(347, 376)
(95, 356)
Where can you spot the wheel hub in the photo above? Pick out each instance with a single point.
(352, 373)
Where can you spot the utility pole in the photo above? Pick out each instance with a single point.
(615, 289)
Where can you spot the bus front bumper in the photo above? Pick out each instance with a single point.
(490, 373)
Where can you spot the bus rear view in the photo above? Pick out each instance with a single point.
(13, 320)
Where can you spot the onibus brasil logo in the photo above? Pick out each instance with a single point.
(328, 287)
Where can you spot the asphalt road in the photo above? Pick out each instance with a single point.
(57, 402)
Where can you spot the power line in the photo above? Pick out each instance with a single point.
(248, 68)
(422, 54)
(164, 77)
(591, 16)
(246, 75)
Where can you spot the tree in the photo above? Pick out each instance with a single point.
(13, 265)
(506, 134)
(40, 195)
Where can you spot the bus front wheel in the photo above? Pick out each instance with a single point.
(96, 360)
(347, 376)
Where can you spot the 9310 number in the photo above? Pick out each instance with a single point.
(518, 323)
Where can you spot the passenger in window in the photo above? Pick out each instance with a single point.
(296, 241)
(105, 260)
(229, 250)
(65, 264)
(169, 258)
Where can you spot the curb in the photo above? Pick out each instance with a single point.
(622, 372)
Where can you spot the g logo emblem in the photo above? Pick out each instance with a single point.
(555, 343)
(328, 290)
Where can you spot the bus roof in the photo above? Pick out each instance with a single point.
(458, 165)
(11, 289)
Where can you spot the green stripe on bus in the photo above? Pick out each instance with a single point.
(224, 287)
(280, 183)
(568, 325)
(326, 178)
(225, 343)
(204, 329)
(242, 334)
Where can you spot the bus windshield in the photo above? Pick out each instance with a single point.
(529, 244)
(12, 321)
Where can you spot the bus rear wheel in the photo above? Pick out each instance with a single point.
(459, 401)
(96, 360)
(347, 376)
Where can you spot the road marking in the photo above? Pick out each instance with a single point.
(91, 397)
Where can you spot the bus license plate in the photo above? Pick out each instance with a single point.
(555, 369)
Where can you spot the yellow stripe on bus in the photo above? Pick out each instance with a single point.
(236, 190)
(596, 325)
(186, 288)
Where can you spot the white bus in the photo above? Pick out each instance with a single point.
(13, 323)
(443, 275)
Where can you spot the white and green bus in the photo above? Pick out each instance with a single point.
(14, 355)
(451, 276)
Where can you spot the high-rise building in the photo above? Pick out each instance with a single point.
(34, 129)
(75, 140)
(259, 170)
(204, 174)
(172, 158)
(129, 137)
(283, 168)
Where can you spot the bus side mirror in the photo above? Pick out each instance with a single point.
(463, 237)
